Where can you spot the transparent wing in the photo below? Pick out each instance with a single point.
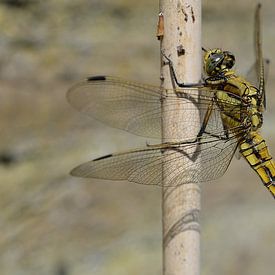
(258, 73)
(183, 163)
(258, 49)
(137, 108)
(122, 104)
(253, 77)
(197, 159)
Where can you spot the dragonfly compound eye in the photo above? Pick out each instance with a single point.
(213, 61)
(229, 59)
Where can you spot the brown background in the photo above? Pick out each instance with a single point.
(52, 223)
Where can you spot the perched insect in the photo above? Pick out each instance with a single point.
(231, 111)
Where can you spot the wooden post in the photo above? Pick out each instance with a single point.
(180, 35)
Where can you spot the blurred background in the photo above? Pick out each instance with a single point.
(52, 223)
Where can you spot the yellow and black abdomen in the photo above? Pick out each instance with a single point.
(255, 151)
(241, 114)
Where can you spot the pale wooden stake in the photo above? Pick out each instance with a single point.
(181, 41)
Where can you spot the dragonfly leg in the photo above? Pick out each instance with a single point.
(177, 146)
(205, 120)
(225, 129)
(216, 80)
(174, 76)
(199, 135)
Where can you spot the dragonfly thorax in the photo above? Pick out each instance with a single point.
(217, 62)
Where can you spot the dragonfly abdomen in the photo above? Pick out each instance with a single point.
(255, 151)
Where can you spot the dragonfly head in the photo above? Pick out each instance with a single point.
(218, 62)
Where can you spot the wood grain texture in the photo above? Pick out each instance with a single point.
(181, 205)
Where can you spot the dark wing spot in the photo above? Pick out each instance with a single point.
(103, 157)
(96, 78)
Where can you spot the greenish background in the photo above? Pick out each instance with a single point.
(51, 223)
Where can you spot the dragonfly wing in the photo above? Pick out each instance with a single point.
(258, 73)
(259, 53)
(137, 108)
(252, 75)
(185, 162)
(122, 104)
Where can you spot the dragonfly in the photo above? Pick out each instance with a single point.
(230, 117)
